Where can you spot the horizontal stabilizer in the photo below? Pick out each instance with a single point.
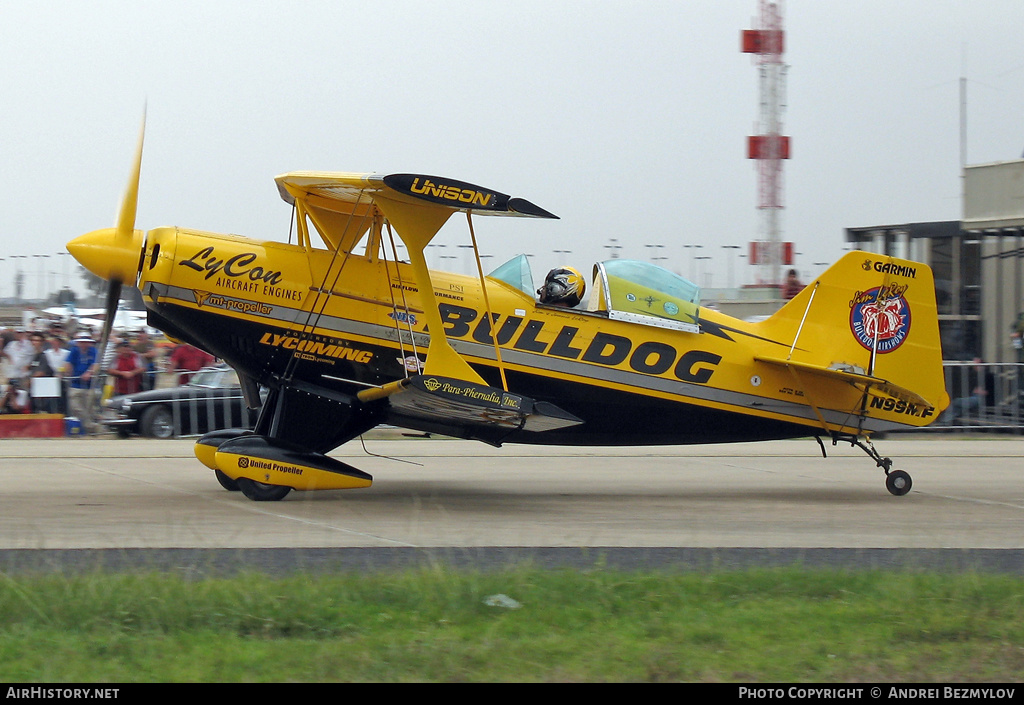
(862, 381)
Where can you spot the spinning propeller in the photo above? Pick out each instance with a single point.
(115, 254)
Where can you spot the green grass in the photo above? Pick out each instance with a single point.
(785, 625)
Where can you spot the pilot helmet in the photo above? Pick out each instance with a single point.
(562, 286)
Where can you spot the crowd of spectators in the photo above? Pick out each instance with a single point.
(45, 370)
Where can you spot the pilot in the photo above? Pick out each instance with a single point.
(563, 286)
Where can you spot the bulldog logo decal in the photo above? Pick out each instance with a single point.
(881, 313)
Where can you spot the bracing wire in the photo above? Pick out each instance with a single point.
(394, 304)
(313, 316)
(386, 457)
(405, 304)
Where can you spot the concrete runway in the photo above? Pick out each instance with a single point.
(121, 497)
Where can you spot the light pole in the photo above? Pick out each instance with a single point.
(558, 254)
(467, 249)
(702, 257)
(655, 252)
(440, 256)
(18, 277)
(614, 246)
(693, 261)
(42, 279)
(731, 247)
(64, 269)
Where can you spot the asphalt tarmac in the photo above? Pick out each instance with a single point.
(76, 504)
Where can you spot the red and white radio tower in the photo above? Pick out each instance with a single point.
(769, 147)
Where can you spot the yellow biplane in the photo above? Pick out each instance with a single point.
(344, 335)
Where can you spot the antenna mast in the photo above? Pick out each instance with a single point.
(769, 147)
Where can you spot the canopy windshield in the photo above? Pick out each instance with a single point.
(645, 293)
(516, 273)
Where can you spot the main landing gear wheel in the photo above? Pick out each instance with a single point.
(898, 482)
(262, 492)
(226, 482)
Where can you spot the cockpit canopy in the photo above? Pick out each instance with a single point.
(628, 290)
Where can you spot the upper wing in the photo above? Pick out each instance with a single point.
(344, 207)
(348, 193)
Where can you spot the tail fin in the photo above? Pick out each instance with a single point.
(871, 321)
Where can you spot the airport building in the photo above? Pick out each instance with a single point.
(978, 263)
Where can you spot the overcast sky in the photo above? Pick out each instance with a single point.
(627, 119)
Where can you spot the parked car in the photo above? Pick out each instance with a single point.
(212, 400)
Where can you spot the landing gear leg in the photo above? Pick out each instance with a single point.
(897, 482)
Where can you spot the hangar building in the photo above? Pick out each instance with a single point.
(978, 263)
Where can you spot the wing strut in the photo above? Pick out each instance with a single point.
(487, 301)
(416, 225)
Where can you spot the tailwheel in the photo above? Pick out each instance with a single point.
(260, 491)
(898, 482)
